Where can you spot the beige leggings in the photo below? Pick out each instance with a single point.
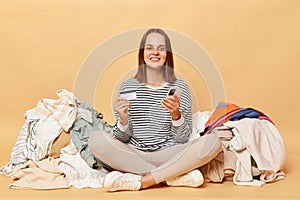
(162, 164)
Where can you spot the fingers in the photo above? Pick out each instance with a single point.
(171, 103)
(121, 100)
(121, 104)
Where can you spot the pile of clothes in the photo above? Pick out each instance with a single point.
(51, 150)
(253, 149)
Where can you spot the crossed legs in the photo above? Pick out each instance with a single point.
(157, 166)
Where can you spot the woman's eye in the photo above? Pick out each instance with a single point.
(148, 48)
(162, 48)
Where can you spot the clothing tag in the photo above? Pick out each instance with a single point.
(129, 95)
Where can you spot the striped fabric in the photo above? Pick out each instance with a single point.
(150, 124)
(25, 146)
(65, 112)
(225, 111)
(63, 109)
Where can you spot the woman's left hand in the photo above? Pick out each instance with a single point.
(172, 104)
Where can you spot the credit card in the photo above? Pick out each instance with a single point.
(129, 95)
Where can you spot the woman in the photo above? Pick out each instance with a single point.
(150, 142)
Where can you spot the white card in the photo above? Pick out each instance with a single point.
(129, 95)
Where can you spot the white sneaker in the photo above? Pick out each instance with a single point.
(191, 179)
(116, 180)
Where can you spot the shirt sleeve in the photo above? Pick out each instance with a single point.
(120, 132)
(182, 128)
(121, 127)
(178, 122)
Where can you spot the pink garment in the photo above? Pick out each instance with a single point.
(264, 143)
(243, 168)
(224, 164)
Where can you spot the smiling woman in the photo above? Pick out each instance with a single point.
(246, 49)
(155, 52)
(151, 136)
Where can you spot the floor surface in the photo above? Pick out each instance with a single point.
(284, 189)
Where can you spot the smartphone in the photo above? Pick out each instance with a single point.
(171, 91)
(174, 90)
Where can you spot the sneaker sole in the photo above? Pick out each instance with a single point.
(109, 179)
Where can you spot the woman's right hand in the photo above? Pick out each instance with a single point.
(121, 106)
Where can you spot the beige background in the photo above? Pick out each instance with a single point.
(255, 45)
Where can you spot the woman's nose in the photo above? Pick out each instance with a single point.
(155, 52)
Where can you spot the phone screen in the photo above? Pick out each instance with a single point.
(172, 92)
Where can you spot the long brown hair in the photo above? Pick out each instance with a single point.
(169, 64)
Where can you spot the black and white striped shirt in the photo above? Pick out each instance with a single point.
(150, 124)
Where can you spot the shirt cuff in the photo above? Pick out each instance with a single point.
(121, 127)
(178, 122)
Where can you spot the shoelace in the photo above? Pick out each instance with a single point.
(125, 184)
(182, 180)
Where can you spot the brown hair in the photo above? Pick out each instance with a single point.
(169, 64)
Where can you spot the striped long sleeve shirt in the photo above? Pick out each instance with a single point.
(150, 125)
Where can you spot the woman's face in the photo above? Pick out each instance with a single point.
(155, 52)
